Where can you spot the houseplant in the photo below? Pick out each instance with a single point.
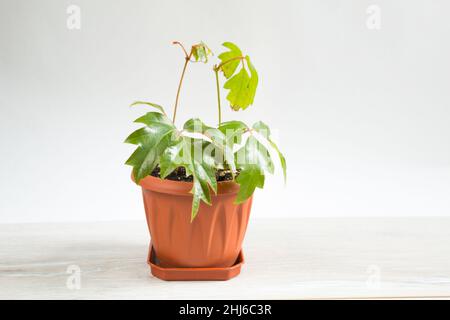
(198, 181)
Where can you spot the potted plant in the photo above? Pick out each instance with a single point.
(198, 181)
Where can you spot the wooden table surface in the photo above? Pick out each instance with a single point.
(285, 259)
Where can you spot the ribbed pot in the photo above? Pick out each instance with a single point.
(213, 239)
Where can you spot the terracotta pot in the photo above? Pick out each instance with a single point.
(213, 239)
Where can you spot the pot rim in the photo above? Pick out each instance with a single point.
(183, 188)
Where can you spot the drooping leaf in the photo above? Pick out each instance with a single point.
(254, 158)
(264, 132)
(237, 86)
(242, 87)
(282, 158)
(154, 105)
(257, 154)
(202, 170)
(252, 84)
(189, 153)
(230, 59)
(249, 179)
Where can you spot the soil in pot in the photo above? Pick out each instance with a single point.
(179, 174)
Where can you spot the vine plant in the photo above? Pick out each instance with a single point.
(202, 150)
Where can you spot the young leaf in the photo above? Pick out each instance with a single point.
(151, 119)
(154, 105)
(201, 52)
(230, 59)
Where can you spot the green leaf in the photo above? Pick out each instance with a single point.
(202, 170)
(152, 141)
(264, 132)
(201, 52)
(183, 153)
(232, 126)
(233, 131)
(249, 179)
(253, 83)
(144, 159)
(151, 119)
(238, 87)
(242, 87)
(258, 159)
(170, 159)
(195, 125)
(154, 105)
(262, 128)
(218, 139)
(230, 59)
(139, 136)
(282, 158)
(257, 154)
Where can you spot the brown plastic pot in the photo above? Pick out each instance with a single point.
(213, 239)
(193, 274)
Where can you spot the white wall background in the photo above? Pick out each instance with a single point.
(362, 115)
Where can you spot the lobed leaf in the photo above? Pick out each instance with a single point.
(230, 59)
(242, 87)
(152, 141)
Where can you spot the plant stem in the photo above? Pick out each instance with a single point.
(179, 86)
(216, 71)
(232, 59)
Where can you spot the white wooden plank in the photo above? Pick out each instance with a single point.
(285, 258)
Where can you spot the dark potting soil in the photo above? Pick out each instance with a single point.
(179, 174)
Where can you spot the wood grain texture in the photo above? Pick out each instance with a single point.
(285, 258)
